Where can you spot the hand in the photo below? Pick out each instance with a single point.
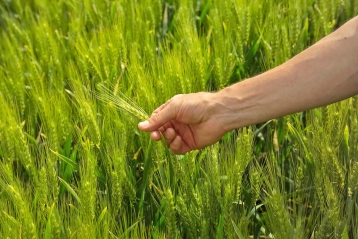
(187, 122)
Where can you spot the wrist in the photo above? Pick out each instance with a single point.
(229, 109)
(242, 104)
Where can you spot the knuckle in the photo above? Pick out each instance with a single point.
(176, 97)
(155, 117)
(161, 130)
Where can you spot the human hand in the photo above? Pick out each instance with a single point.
(187, 122)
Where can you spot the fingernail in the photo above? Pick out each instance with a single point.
(144, 124)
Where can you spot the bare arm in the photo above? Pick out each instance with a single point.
(325, 73)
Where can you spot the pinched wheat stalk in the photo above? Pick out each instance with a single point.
(121, 102)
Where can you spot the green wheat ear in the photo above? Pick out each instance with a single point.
(119, 101)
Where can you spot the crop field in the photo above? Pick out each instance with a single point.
(76, 77)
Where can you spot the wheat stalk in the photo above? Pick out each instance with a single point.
(121, 102)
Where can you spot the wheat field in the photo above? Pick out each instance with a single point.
(77, 76)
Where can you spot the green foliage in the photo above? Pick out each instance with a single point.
(74, 166)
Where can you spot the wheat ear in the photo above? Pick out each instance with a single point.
(121, 102)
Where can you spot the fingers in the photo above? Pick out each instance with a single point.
(160, 123)
(176, 145)
(160, 116)
(169, 135)
(162, 106)
(174, 141)
(155, 135)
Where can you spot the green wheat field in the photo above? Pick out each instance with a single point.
(76, 77)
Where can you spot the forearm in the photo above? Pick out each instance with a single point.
(323, 74)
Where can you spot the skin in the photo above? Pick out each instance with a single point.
(324, 73)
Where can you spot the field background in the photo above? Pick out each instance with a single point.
(74, 167)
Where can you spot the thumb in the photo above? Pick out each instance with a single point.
(159, 118)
